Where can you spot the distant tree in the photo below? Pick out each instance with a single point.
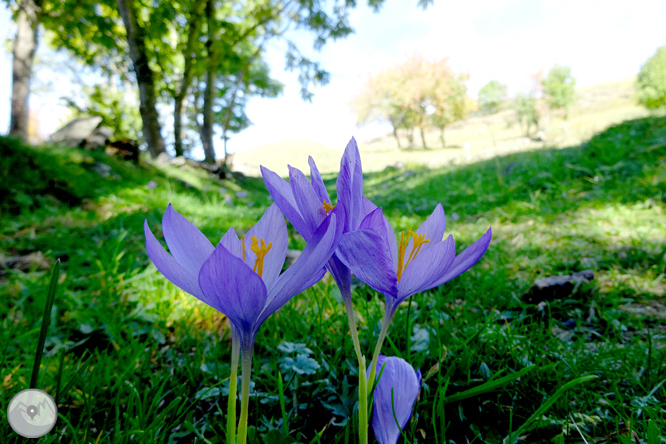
(416, 94)
(379, 102)
(527, 113)
(448, 99)
(651, 82)
(559, 89)
(491, 97)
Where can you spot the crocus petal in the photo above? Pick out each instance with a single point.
(425, 269)
(465, 260)
(231, 242)
(271, 228)
(341, 276)
(368, 206)
(400, 382)
(387, 233)
(169, 267)
(187, 244)
(374, 221)
(350, 185)
(366, 254)
(231, 287)
(311, 261)
(283, 196)
(308, 203)
(434, 225)
(317, 183)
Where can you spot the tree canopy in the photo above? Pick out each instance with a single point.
(559, 88)
(416, 94)
(651, 82)
(491, 97)
(203, 59)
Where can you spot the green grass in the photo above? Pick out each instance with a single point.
(131, 358)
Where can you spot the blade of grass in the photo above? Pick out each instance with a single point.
(50, 298)
(285, 423)
(527, 425)
(486, 387)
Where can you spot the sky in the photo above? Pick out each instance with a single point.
(505, 40)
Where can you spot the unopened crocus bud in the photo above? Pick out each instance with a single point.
(398, 383)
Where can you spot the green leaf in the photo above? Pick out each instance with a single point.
(487, 386)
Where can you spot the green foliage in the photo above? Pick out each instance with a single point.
(527, 113)
(118, 111)
(651, 82)
(559, 87)
(491, 97)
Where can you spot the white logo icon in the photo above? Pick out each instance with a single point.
(32, 413)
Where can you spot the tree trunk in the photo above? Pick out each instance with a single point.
(410, 137)
(423, 138)
(441, 136)
(25, 45)
(209, 94)
(144, 78)
(395, 133)
(180, 98)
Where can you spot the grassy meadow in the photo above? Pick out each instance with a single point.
(130, 358)
(477, 138)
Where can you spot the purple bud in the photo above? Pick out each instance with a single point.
(398, 383)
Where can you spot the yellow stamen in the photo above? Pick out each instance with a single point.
(243, 242)
(327, 206)
(419, 240)
(260, 251)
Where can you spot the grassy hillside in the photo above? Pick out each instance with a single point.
(131, 358)
(597, 107)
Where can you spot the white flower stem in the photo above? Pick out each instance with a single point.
(246, 367)
(231, 403)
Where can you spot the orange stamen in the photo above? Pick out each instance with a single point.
(260, 251)
(419, 240)
(327, 206)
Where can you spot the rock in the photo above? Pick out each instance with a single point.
(556, 287)
(126, 149)
(102, 169)
(24, 263)
(178, 161)
(408, 173)
(76, 131)
(98, 138)
(163, 159)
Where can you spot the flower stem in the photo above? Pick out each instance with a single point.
(386, 323)
(349, 307)
(246, 367)
(231, 404)
(362, 403)
(366, 385)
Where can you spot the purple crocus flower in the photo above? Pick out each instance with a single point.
(394, 397)
(306, 204)
(241, 277)
(420, 261)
